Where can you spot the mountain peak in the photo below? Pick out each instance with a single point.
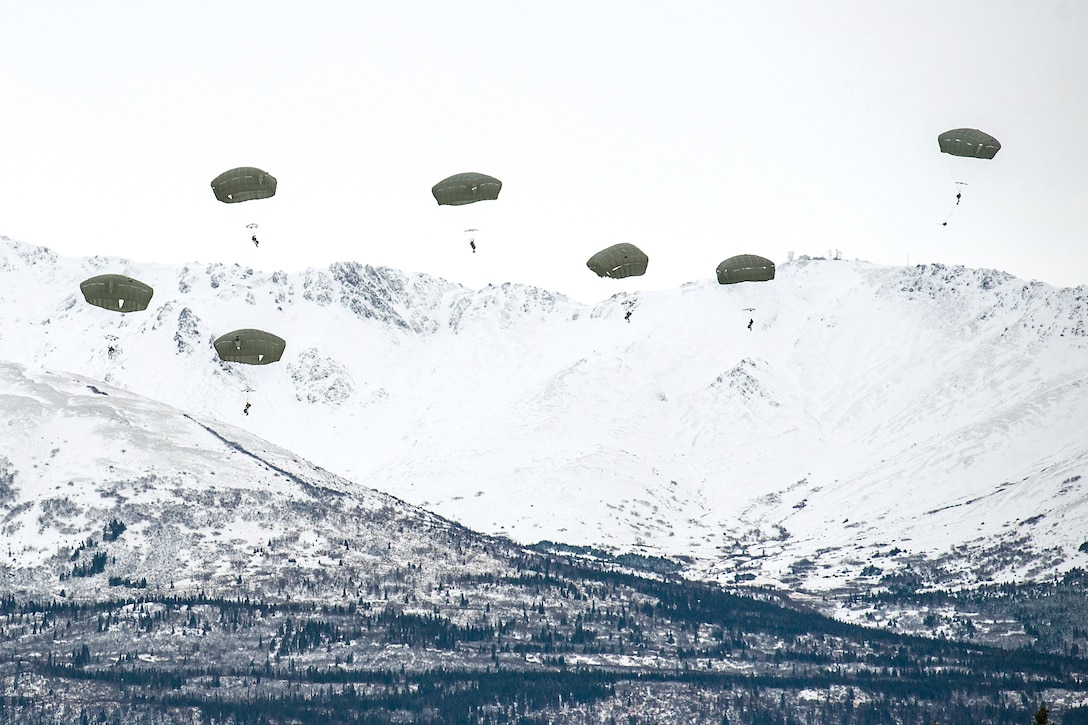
(901, 398)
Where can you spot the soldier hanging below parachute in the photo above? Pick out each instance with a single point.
(745, 268)
(968, 153)
(467, 188)
(245, 183)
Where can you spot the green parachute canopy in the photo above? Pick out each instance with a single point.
(466, 188)
(252, 347)
(619, 261)
(745, 268)
(117, 292)
(243, 184)
(969, 143)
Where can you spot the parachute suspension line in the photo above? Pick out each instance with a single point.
(949, 217)
(959, 198)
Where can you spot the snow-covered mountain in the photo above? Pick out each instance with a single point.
(183, 505)
(874, 418)
(160, 566)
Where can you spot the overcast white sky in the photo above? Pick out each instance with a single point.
(696, 130)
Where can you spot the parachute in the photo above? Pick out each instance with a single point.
(969, 142)
(966, 149)
(252, 347)
(245, 183)
(745, 268)
(619, 261)
(466, 188)
(117, 292)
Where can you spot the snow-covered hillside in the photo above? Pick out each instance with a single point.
(182, 505)
(872, 417)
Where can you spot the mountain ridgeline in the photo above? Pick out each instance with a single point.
(872, 421)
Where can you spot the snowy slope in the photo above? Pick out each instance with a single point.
(181, 504)
(939, 411)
